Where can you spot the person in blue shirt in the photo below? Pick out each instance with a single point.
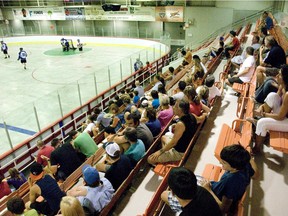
(239, 169)
(153, 123)
(268, 21)
(22, 55)
(136, 97)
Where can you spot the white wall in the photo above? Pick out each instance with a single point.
(285, 10)
(244, 4)
(207, 21)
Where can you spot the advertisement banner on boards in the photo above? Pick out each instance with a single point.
(169, 14)
(74, 13)
(56, 13)
(129, 14)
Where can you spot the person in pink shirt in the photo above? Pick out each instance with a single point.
(43, 150)
(166, 111)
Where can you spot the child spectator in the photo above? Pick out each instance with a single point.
(4, 187)
(17, 206)
(213, 90)
(136, 97)
(70, 206)
(98, 191)
(239, 169)
(187, 196)
(16, 178)
(155, 101)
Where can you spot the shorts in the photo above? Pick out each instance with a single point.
(23, 61)
(171, 155)
(43, 208)
(174, 203)
(235, 80)
(5, 52)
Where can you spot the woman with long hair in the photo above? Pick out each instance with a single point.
(275, 113)
(16, 178)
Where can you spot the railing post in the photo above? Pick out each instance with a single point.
(121, 73)
(79, 93)
(153, 52)
(109, 77)
(60, 105)
(8, 137)
(160, 51)
(37, 119)
(147, 55)
(95, 84)
(131, 65)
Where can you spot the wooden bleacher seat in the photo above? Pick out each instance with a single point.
(279, 141)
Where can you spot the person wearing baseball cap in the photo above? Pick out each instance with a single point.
(117, 167)
(44, 185)
(99, 191)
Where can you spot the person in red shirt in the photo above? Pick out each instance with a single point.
(4, 187)
(234, 44)
(43, 150)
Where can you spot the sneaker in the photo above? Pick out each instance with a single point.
(25, 68)
(5, 57)
(8, 56)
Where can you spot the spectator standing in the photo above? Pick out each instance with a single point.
(138, 64)
(4, 49)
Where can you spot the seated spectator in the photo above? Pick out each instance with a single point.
(213, 90)
(70, 206)
(187, 197)
(178, 93)
(89, 126)
(83, 143)
(136, 97)
(116, 116)
(43, 150)
(215, 52)
(157, 82)
(64, 160)
(239, 169)
(268, 22)
(46, 186)
(139, 88)
(270, 85)
(102, 120)
(173, 149)
(109, 133)
(143, 132)
(153, 123)
(137, 148)
(116, 167)
(99, 191)
(278, 103)
(165, 113)
(274, 59)
(246, 70)
(155, 101)
(203, 95)
(187, 57)
(16, 178)
(118, 101)
(238, 60)
(4, 187)
(129, 107)
(234, 44)
(161, 91)
(168, 75)
(17, 207)
(196, 106)
(198, 65)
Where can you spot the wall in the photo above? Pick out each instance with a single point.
(207, 21)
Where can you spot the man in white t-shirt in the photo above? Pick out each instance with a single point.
(246, 69)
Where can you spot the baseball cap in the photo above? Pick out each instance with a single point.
(233, 33)
(90, 174)
(221, 38)
(112, 149)
(36, 171)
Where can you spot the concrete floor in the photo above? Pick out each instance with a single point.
(52, 77)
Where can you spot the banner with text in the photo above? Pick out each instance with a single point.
(39, 13)
(130, 14)
(74, 13)
(169, 14)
